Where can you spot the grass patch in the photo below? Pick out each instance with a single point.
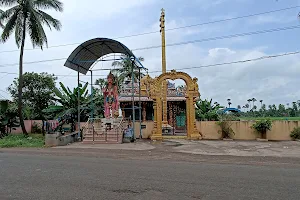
(33, 140)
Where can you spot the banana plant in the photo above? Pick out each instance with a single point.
(206, 110)
(67, 104)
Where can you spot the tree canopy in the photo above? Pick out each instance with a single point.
(37, 93)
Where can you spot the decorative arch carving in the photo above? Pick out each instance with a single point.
(156, 93)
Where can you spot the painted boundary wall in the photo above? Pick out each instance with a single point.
(281, 130)
(211, 131)
(30, 123)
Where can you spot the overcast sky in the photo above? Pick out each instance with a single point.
(273, 80)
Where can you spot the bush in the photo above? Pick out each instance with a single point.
(262, 126)
(295, 134)
(225, 122)
(36, 128)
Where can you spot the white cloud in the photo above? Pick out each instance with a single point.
(272, 80)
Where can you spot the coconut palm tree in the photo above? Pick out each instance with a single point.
(247, 106)
(249, 100)
(253, 100)
(229, 103)
(261, 101)
(27, 16)
(126, 69)
(1, 25)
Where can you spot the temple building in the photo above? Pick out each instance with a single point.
(176, 105)
(167, 110)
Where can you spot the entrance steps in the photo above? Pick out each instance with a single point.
(104, 131)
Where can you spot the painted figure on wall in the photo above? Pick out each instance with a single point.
(110, 92)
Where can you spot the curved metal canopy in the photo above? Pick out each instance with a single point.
(86, 54)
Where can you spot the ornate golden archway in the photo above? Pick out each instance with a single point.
(156, 93)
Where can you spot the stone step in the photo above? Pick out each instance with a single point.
(102, 137)
(101, 142)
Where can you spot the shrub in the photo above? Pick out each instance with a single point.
(225, 122)
(36, 128)
(295, 134)
(262, 126)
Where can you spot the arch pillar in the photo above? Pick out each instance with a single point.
(155, 133)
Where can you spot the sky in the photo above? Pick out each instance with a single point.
(272, 80)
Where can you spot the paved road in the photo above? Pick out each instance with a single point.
(63, 177)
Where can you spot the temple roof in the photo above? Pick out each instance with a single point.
(136, 99)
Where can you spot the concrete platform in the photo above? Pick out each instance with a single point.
(239, 148)
(137, 146)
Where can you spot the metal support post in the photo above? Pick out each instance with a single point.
(78, 108)
(140, 104)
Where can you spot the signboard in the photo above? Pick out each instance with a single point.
(143, 126)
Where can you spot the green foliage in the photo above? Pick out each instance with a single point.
(1, 25)
(35, 140)
(36, 128)
(225, 122)
(262, 126)
(271, 111)
(67, 101)
(205, 110)
(29, 15)
(8, 118)
(126, 69)
(67, 104)
(37, 93)
(295, 134)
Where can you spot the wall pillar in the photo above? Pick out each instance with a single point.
(194, 133)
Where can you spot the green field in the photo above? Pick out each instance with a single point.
(271, 118)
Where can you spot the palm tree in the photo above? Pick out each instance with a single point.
(126, 69)
(261, 101)
(229, 103)
(27, 16)
(239, 107)
(253, 100)
(247, 106)
(101, 82)
(249, 100)
(1, 25)
(254, 107)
